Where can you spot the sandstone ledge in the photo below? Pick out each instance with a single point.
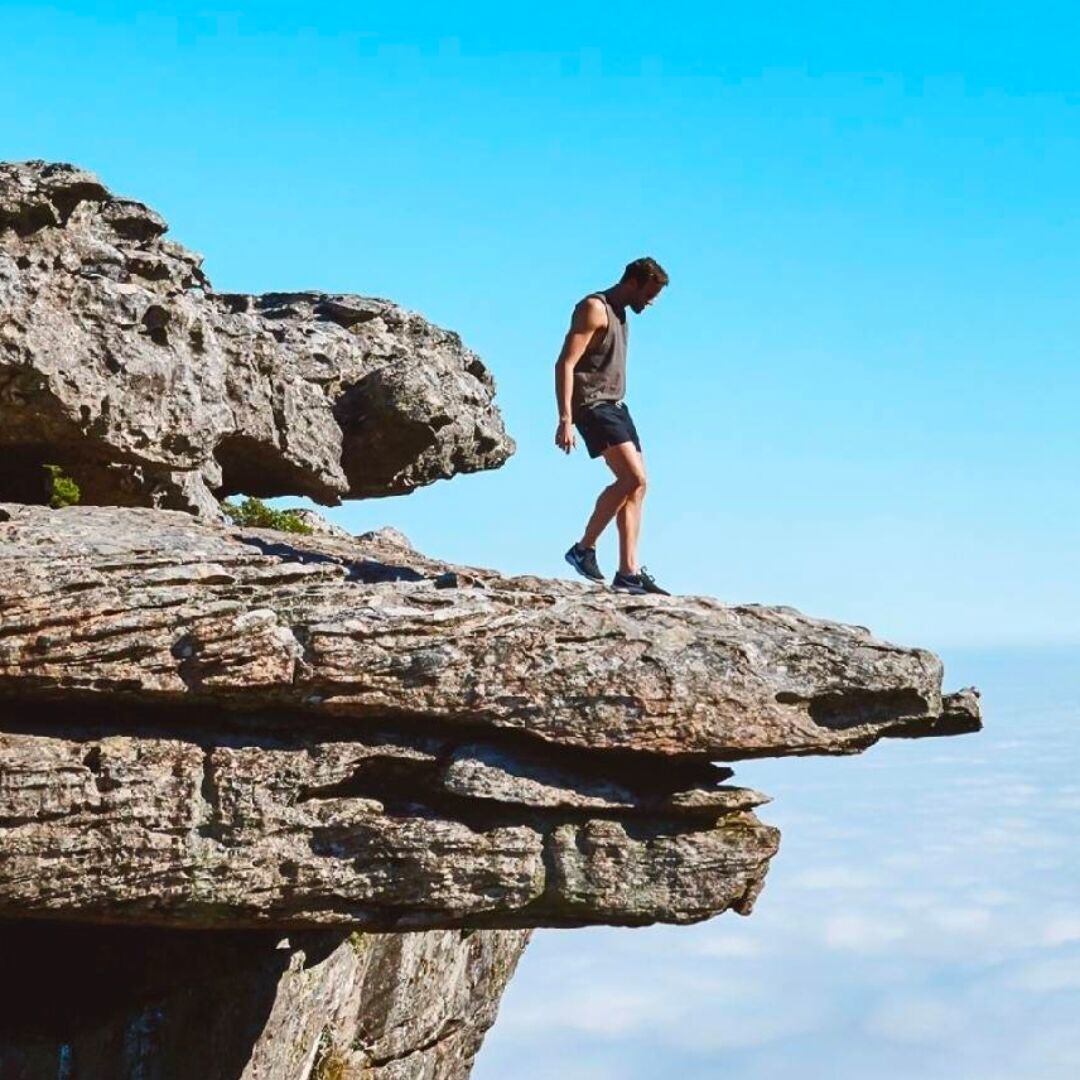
(141, 605)
(222, 727)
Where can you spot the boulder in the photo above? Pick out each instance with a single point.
(119, 362)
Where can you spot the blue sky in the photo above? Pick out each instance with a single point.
(857, 396)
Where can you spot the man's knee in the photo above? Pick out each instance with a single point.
(633, 486)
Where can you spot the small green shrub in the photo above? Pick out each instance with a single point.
(63, 491)
(255, 514)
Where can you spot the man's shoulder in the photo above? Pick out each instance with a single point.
(593, 309)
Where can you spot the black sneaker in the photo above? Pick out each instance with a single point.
(628, 583)
(650, 584)
(583, 560)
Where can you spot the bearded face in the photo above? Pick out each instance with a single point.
(645, 293)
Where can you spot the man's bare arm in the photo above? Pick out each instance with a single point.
(589, 316)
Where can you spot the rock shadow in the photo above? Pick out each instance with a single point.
(98, 1001)
(365, 571)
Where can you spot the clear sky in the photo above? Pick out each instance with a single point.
(858, 396)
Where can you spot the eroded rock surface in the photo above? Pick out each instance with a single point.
(208, 726)
(119, 362)
(155, 606)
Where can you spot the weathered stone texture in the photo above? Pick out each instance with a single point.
(227, 727)
(211, 826)
(133, 603)
(121, 363)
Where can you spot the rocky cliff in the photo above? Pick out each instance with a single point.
(248, 728)
(288, 806)
(222, 729)
(121, 363)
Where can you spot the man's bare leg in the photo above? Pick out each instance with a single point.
(628, 522)
(628, 517)
(623, 498)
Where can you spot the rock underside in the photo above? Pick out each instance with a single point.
(144, 1004)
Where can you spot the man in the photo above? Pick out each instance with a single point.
(590, 382)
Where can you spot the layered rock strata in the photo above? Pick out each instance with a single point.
(222, 727)
(119, 362)
(286, 807)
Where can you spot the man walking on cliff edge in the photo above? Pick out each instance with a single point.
(590, 382)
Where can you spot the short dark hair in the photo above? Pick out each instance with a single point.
(645, 269)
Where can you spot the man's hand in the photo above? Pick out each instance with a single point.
(565, 439)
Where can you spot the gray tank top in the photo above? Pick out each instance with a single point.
(600, 375)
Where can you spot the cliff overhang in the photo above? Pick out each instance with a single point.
(120, 363)
(237, 728)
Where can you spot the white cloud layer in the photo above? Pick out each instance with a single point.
(921, 919)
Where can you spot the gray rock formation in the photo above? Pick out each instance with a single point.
(358, 629)
(209, 729)
(238, 728)
(119, 362)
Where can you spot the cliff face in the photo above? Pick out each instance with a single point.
(231, 728)
(217, 728)
(283, 806)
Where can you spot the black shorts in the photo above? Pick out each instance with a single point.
(605, 424)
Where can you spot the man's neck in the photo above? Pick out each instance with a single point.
(617, 297)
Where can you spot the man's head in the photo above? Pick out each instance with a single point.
(641, 283)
